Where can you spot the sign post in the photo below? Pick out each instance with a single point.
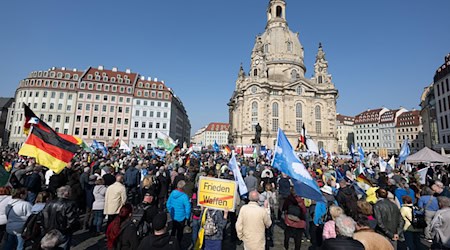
(217, 193)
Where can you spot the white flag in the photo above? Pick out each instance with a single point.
(237, 175)
(383, 165)
(124, 146)
(423, 175)
(312, 147)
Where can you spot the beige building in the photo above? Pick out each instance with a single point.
(214, 132)
(428, 114)
(276, 93)
(345, 132)
(409, 126)
(442, 103)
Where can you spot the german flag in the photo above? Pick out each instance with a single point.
(228, 149)
(29, 114)
(48, 147)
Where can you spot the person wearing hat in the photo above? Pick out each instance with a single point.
(160, 239)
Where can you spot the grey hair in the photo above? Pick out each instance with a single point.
(51, 240)
(181, 184)
(253, 196)
(345, 226)
(439, 184)
(443, 201)
(64, 192)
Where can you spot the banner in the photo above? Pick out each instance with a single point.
(216, 193)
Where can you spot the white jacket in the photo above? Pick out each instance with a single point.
(4, 200)
(99, 197)
(17, 212)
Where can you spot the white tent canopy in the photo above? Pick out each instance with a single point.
(427, 155)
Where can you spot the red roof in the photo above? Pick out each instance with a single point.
(408, 119)
(369, 116)
(345, 119)
(217, 126)
(109, 74)
(388, 116)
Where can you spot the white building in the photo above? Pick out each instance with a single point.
(151, 112)
(366, 129)
(214, 132)
(387, 130)
(345, 132)
(442, 96)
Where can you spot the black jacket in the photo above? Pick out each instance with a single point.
(159, 242)
(128, 239)
(62, 215)
(347, 199)
(389, 219)
(342, 243)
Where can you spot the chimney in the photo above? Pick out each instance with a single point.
(114, 69)
(128, 71)
(156, 79)
(142, 78)
(149, 78)
(100, 67)
(63, 68)
(53, 68)
(75, 70)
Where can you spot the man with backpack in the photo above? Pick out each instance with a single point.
(294, 217)
(160, 239)
(215, 222)
(132, 180)
(144, 215)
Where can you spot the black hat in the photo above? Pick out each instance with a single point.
(159, 221)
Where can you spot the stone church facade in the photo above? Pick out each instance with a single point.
(276, 94)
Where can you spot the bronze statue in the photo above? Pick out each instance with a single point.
(258, 130)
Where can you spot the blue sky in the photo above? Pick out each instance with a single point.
(379, 52)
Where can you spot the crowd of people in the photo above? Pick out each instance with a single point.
(140, 200)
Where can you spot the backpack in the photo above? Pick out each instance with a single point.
(210, 225)
(14, 181)
(418, 219)
(32, 227)
(142, 226)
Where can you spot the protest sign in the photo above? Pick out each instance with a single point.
(216, 193)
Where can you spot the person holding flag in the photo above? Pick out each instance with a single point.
(404, 152)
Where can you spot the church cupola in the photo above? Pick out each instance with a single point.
(276, 12)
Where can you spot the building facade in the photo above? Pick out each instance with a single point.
(97, 104)
(180, 126)
(151, 112)
(366, 129)
(409, 126)
(345, 132)
(428, 114)
(5, 104)
(213, 132)
(276, 94)
(387, 131)
(442, 97)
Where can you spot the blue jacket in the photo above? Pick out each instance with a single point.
(400, 192)
(179, 206)
(132, 177)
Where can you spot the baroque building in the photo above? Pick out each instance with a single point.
(276, 94)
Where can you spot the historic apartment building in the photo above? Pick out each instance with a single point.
(345, 132)
(442, 99)
(429, 120)
(276, 94)
(387, 130)
(367, 125)
(213, 132)
(409, 126)
(99, 104)
(5, 129)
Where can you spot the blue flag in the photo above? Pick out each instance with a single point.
(404, 152)
(361, 154)
(216, 147)
(324, 153)
(352, 151)
(286, 160)
(232, 165)
(159, 153)
(98, 146)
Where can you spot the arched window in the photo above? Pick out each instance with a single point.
(275, 117)
(298, 110)
(320, 79)
(266, 48)
(254, 114)
(294, 75)
(318, 112)
(279, 11)
(255, 72)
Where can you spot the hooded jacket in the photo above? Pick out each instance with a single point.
(159, 242)
(179, 206)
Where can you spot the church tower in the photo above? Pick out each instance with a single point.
(275, 93)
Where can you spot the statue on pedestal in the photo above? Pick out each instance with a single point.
(258, 130)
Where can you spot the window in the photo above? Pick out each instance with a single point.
(52, 106)
(94, 131)
(126, 121)
(318, 127)
(104, 108)
(97, 97)
(120, 110)
(67, 119)
(96, 107)
(105, 98)
(43, 105)
(144, 113)
(50, 118)
(320, 79)
(135, 135)
(143, 124)
(111, 109)
(275, 124)
(157, 125)
(45, 94)
(142, 135)
(150, 124)
(69, 97)
(299, 90)
(275, 109)
(109, 132)
(165, 115)
(77, 131)
(69, 108)
(88, 106)
(111, 120)
(85, 131)
(61, 95)
(137, 113)
(289, 46)
(94, 120)
(318, 112)
(80, 106)
(58, 118)
(60, 106)
(127, 110)
(118, 132)
(78, 118)
(158, 114)
(125, 133)
(164, 125)
(102, 132)
(119, 120)
(136, 124)
(149, 135)
(298, 110)
(86, 119)
(254, 113)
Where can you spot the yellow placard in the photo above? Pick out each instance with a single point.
(216, 193)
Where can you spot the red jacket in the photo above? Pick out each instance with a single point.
(296, 201)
